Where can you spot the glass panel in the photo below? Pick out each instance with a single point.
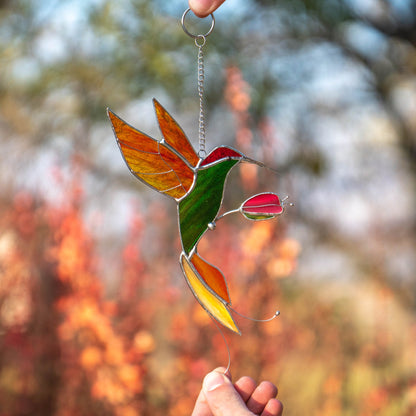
(152, 162)
(220, 153)
(262, 206)
(174, 135)
(208, 301)
(212, 276)
(201, 206)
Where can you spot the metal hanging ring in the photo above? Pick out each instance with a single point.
(200, 41)
(193, 35)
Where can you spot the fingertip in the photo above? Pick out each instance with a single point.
(269, 387)
(223, 370)
(214, 380)
(221, 396)
(274, 407)
(202, 8)
(263, 393)
(245, 387)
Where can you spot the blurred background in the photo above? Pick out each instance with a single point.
(95, 316)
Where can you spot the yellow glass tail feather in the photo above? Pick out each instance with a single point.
(211, 303)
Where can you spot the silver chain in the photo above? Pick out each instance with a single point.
(200, 42)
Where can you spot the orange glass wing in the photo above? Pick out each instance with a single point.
(215, 306)
(174, 135)
(153, 162)
(212, 276)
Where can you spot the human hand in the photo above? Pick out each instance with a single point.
(219, 397)
(203, 8)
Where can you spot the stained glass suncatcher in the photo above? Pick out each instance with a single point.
(172, 167)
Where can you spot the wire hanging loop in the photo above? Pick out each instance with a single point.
(200, 41)
(192, 35)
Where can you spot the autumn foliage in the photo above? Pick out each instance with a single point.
(70, 348)
(73, 344)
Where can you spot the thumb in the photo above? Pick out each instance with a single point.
(221, 396)
(203, 8)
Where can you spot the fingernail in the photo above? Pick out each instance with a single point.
(213, 380)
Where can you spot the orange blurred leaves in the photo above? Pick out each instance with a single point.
(144, 342)
(126, 355)
(145, 347)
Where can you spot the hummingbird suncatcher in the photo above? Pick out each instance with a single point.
(172, 167)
